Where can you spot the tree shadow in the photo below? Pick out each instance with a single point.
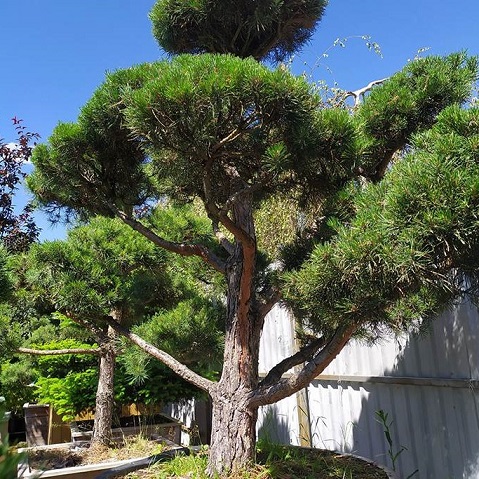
(274, 427)
(431, 404)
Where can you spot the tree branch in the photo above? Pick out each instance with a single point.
(215, 212)
(222, 239)
(359, 94)
(272, 392)
(52, 352)
(231, 137)
(303, 355)
(99, 333)
(182, 249)
(274, 295)
(177, 367)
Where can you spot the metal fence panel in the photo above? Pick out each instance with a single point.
(426, 385)
(278, 423)
(277, 339)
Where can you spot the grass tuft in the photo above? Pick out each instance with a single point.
(274, 462)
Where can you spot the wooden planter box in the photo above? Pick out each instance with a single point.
(161, 425)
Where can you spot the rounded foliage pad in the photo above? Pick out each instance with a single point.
(266, 29)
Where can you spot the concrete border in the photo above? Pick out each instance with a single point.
(103, 470)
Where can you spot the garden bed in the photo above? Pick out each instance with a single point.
(158, 424)
(138, 458)
(79, 461)
(276, 462)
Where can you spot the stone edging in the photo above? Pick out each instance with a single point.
(390, 473)
(106, 470)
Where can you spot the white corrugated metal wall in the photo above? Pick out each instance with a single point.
(426, 385)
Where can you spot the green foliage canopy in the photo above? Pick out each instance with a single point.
(270, 29)
(184, 125)
(229, 122)
(398, 260)
(409, 102)
(197, 115)
(102, 267)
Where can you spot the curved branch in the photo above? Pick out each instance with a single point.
(303, 355)
(179, 368)
(271, 393)
(53, 352)
(218, 215)
(182, 249)
(359, 94)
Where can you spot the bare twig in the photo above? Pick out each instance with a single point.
(358, 95)
(231, 137)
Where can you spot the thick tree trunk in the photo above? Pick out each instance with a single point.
(233, 435)
(234, 421)
(105, 393)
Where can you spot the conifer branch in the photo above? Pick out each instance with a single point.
(176, 366)
(183, 249)
(271, 391)
(303, 355)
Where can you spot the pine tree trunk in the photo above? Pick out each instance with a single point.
(233, 435)
(105, 394)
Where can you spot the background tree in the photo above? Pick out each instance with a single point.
(233, 133)
(17, 230)
(103, 268)
(5, 281)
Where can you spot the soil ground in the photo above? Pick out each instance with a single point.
(277, 463)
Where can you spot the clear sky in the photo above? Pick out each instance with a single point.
(54, 53)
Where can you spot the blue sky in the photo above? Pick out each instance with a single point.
(54, 53)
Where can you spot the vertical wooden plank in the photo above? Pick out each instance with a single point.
(50, 425)
(304, 418)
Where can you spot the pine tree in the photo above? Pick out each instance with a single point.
(381, 241)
